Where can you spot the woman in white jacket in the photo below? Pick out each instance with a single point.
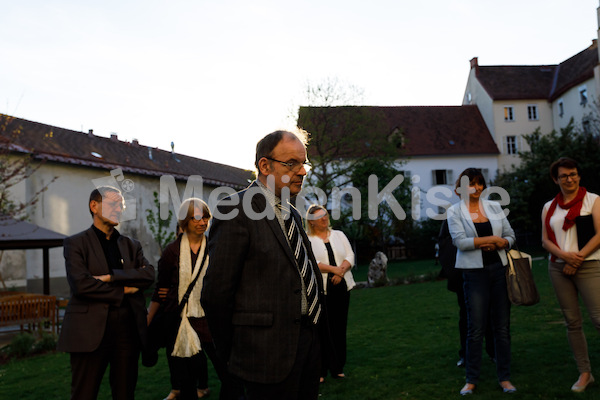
(482, 234)
(335, 258)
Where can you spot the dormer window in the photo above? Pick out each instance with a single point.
(396, 138)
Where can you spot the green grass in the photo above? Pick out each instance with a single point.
(402, 344)
(400, 269)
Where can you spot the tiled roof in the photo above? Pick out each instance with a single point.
(575, 70)
(427, 130)
(77, 148)
(512, 82)
(521, 82)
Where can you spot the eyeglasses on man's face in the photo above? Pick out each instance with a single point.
(565, 177)
(293, 165)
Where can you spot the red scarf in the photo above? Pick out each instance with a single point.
(574, 207)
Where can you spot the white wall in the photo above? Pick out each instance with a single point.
(519, 127)
(421, 170)
(64, 208)
(573, 107)
(482, 99)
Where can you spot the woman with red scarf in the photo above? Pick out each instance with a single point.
(573, 270)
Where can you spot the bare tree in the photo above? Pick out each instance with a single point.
(341, 134)
(17, 164)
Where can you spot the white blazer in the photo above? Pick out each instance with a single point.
(463, 233)
(342, 250)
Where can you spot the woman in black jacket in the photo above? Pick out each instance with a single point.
(181, 270)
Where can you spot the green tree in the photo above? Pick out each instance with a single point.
(160, 228)
(378, 232)
(341, 135)
(530, 186)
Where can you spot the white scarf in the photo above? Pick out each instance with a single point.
(187, 343)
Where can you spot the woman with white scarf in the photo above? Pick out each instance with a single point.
(183, 263)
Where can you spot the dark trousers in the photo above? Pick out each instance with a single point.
(231, 387)
(178, 367)
(188, 374)
(191, 373)
(487, 298)
(303, 381)
(462, 327)
(333, 329)
(120, 347)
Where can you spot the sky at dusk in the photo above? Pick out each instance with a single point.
(216, 76)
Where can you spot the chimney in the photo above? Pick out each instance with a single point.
(113, 136)
(91, 132)
(173, 156)
(135, 142)
(475, 64)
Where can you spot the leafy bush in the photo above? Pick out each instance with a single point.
(21, 345)
(47, 342)
(26, 344)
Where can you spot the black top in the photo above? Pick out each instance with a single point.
(194, 259)
(110, 248)
(330, 254)
(485, 229)
(168, 274)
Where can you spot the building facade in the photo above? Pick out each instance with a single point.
(516, 100)
(73, 164)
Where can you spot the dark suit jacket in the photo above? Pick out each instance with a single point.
(252, 291)
(448, 259)
(87, 311)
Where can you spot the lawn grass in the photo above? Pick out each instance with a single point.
(402, 344)
(401, 269)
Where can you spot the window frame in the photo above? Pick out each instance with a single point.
(534, 108)
(509, 114)
(561, 108)
(511, 145)
(447, 176)
(583, 95)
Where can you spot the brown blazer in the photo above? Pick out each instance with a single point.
(87, 311)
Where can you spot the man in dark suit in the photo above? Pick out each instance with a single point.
(263, 300)
(105, 320)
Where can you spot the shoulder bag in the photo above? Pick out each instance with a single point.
(519, 279)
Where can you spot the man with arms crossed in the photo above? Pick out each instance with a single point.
(105, 320)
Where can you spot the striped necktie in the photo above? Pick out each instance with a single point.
(303, 262)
